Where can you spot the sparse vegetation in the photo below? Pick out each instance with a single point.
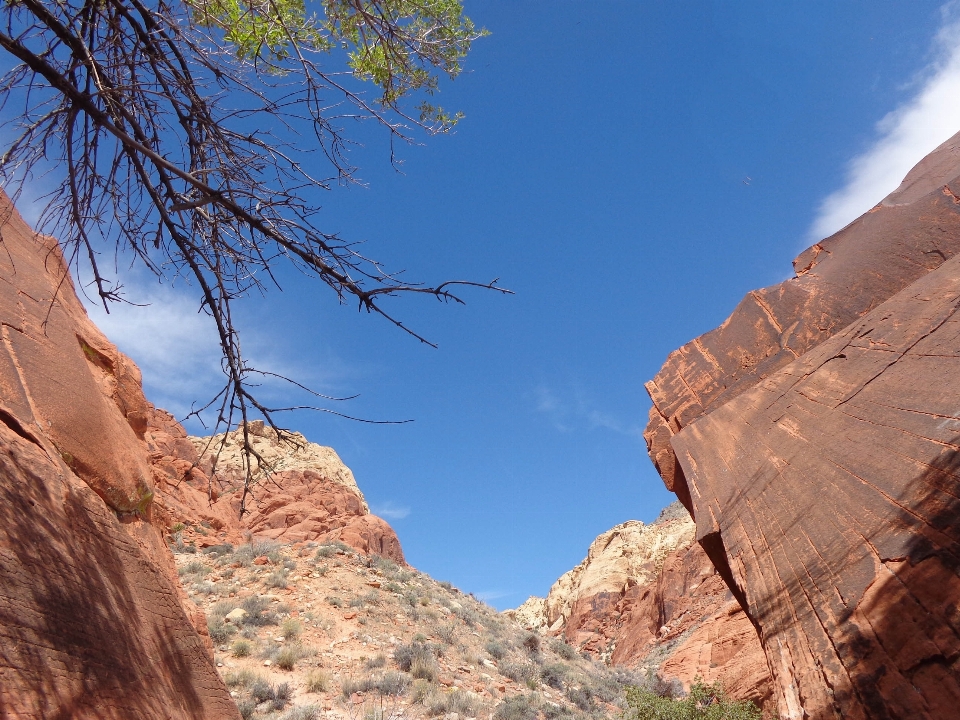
(451, 639)
(378, 661)
(241, 648)
(455, 701)
(287, 658)
(220, 631)
(291, 629)
(518, 707)
(705, 702)
(317, 682)
(561, 648)
(496, 648)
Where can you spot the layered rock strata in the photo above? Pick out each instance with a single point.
(815, 436)
(303, 491)
(647, 597)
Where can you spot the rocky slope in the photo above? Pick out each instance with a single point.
(304, 492)
(814, 436)
(308, 630)
(646, 597)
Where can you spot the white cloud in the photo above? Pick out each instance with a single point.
(174, 345)
(177, 349)
(390, 510)
(572, 409)
(904, 136)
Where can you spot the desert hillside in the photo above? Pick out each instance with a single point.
(319, 630)
(647, 599)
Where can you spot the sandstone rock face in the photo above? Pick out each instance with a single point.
(629, 554)
(822, 466)
(90, 621)
(837, 280)
(648, 597)
(304, 492)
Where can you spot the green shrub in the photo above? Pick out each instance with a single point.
(241, 648)
(224, 549)
(282, 696)
(241, 678)
(705, 702)
(519, 707)
(384, 565)
(277, 579)
(261, 690)
(291, 629)
(302, 712)
(496, 649)
(219, 631)
(247, 708)
(335, 601)
(423, 669)
(455, 701)
(257, 613)
(194, 567)
(518, 672)
(376, 662)
(563, 650)
(582, 697)
(554, 675)
(406, 655)
(446, 633)
(287, 658)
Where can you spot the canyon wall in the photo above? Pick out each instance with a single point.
(814, 438)
(93, 622)
(647, 597)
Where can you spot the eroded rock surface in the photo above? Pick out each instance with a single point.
(817, 443)
(304, 492)
(91, 623)
(837, 280)
(647, 597)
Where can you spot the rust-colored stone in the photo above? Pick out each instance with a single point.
(91, 621)
(821, 463)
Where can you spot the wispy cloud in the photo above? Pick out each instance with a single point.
(571, 409)
(904, 136)
(177, 350)
(174, 345)
(489, 596)
(390, 510)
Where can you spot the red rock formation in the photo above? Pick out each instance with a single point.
(93, 622)
(308, 493)
(837, 280)
(816, 437)
(656, 606)
(90, 621)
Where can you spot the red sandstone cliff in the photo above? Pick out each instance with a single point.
(93, 623)
(814, 437)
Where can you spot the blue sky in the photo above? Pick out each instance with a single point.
(630, 169)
